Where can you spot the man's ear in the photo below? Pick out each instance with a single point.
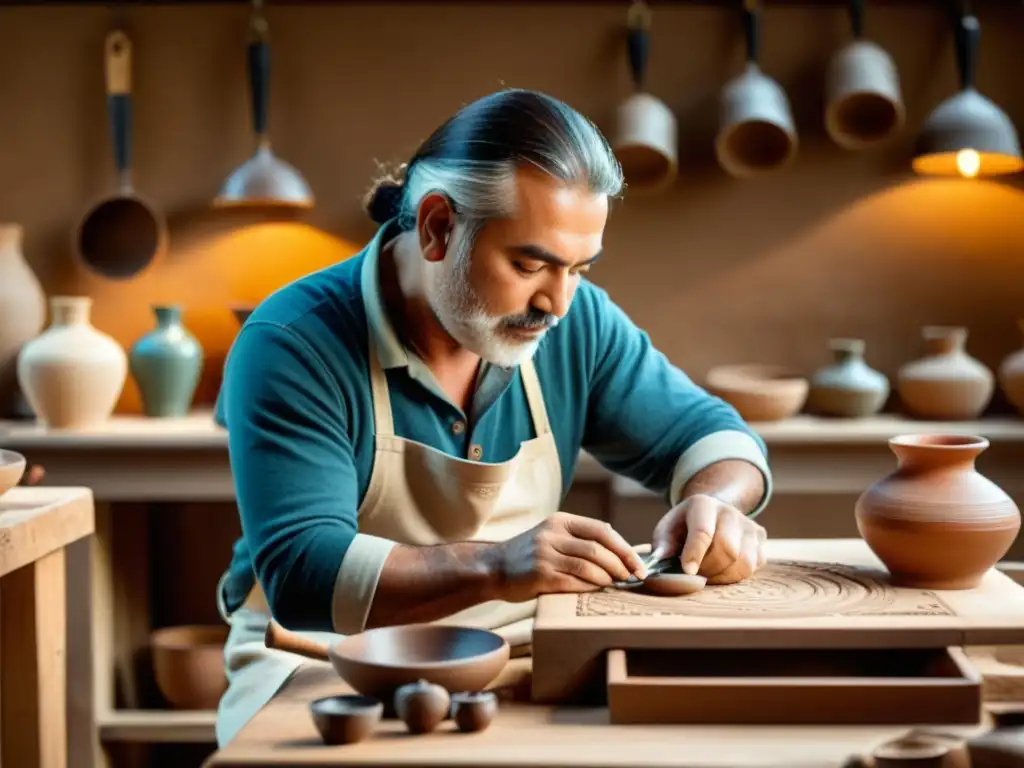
(434, 223)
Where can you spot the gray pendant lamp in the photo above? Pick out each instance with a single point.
(967, 135)
(264, 179)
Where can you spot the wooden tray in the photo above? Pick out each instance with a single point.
(797, 687)
(824, 593)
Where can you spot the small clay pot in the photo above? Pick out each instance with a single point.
(673, 584)
(12, 468)
(474, 710)
(911, 751)
(346, 719)
(946, 383)
(422, 705)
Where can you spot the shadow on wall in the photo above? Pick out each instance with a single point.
(218, 259)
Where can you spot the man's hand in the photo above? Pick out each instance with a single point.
(715, 539)
(565, 553)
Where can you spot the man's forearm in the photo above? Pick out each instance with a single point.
(422, 584)
(732, 481)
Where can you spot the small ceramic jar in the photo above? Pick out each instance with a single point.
(474, 711)
(422, 705)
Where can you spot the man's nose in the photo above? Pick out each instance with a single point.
(556, 295)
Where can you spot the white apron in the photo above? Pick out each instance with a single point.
(417, 496)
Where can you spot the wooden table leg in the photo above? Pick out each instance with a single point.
(33, 685)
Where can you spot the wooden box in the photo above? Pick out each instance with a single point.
(813, 596)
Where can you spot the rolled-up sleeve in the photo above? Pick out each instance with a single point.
(648, 420)
(296, 482)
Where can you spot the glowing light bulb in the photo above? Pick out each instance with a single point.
(968, 163)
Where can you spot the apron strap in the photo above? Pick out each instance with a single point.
(535, 398)
(383, 423)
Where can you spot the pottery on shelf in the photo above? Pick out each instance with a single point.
(946, 383)
(22, 313)
(72, 374)
(759, 392)
(188, 665)
(1011, 375)
(849, 387)
(936, 522)
(166, 364)
(12, 469)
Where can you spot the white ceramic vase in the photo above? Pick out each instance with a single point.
(72, 374)
(22, 313)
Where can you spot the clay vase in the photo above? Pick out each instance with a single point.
(936, 523)
(72, 374)
(848, 388)
(22, 313)
(166, 364)
(1011, 375)
(947, 383)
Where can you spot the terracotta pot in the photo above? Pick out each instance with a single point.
(22, 313)
(73, 374)
(759, 392)
(1011, 375)
(849, 387)
(936, 523)
(188, 663)
(947, 383)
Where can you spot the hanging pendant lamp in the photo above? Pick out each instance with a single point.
(967, 134)
(263, 179)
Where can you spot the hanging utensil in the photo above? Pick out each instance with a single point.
(264, 179)
(122, 234)
(757, 132)
(645, 132)
(864, 106)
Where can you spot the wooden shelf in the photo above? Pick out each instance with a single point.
(149, 726)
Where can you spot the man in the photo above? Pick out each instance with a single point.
(404, 425)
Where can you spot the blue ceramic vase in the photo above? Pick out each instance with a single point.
(166, 364)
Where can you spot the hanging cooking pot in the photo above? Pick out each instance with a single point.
(757, 132)
(122, 234)
(644, 137)
(264, 179)
(864, 106)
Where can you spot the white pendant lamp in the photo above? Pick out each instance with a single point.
(967, 135)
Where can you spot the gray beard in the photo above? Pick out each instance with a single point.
(463, 315)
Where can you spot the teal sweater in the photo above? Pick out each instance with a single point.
(297, 405)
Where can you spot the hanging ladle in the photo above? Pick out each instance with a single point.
(264, 179)
(122, 234)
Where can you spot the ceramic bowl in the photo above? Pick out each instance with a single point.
(188, 663)
(759, 392)
(346, 719)
(379, 661)
(12, 468)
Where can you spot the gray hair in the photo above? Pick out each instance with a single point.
(473, 157)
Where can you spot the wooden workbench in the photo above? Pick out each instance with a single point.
(524, 735)
(36, 525)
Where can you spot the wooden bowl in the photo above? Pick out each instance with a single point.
(346, 719)
(12, 468)
(759, 392)
(379, 661)
(188, 663)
